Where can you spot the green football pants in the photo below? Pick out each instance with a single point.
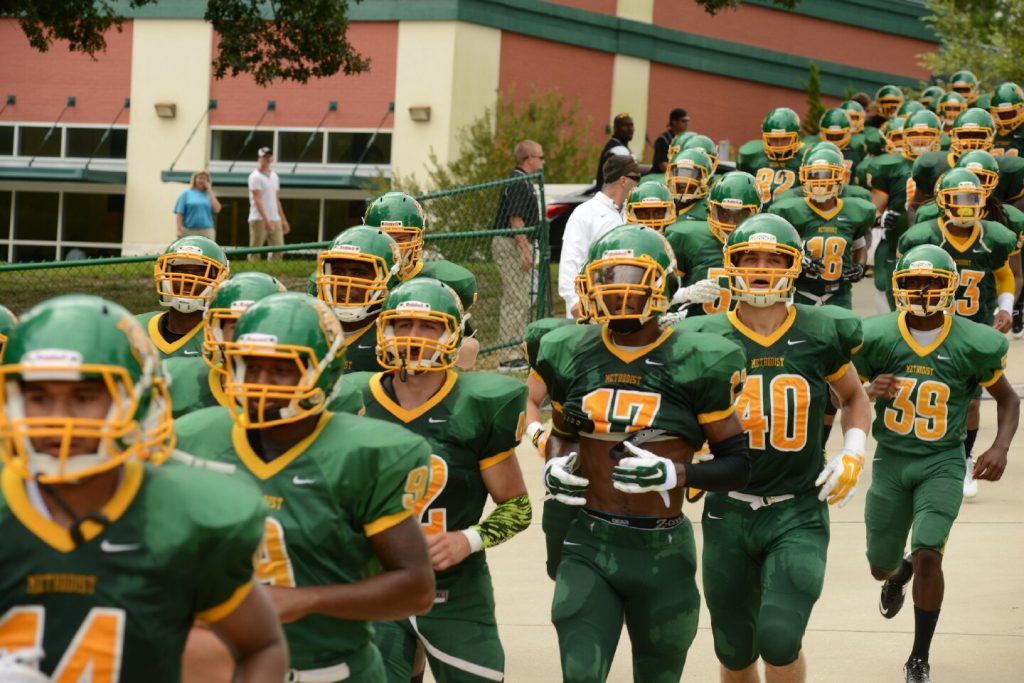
(763, 571)
(555, 522)
(610, 575)
(458, 651)
(911, 492)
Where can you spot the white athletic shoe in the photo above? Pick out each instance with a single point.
(970, 485)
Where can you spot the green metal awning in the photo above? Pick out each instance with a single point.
(305, 180)
(62, 175)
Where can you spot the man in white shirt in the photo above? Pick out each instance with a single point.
(592, 219)
(267, 223)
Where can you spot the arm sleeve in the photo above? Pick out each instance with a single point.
(505, 521)
(1004, 279)
(398, 480)
(508, 421)
(849, 336)
(573, 256)
(862, 360)
(713, 395)
(728, 471)
(179, 206)
(990, 357)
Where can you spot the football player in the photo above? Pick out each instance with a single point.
(974, 129)
(925, 364)
(650, 203)
(638, 399)
(185, 275)
(7, 322)
(687, 178)
(835, 231)
(929, 97)
(473, 423)
(401, 216)
(986, 282)
(697, 246)
(865, 135)
(341, 547)
(705, 143)
(1007, 109)
(107, 558)
(948, 107)
(847, 189)
(774, 159)
(765, 542)
(834, 126)
(888, 100)
(965, 84)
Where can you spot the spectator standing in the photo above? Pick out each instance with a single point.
(618, 144)
(518, 207)
(267, 222)
(592, 219)
(196, 207)
(678, 120)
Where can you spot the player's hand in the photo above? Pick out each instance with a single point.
(561, 481)
(883, 385)
(855, 273)
(447, 549)
(991, 464)
(838, 481)
(811, 266)
(1002, 321)
(291, 603)
(703, 455)
(644, 472)
(887, 219)
(702, 292)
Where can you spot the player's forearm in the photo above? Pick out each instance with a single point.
(856, 412)
(393, 594)
(1007, 419)
(728, 471)
(506, 520)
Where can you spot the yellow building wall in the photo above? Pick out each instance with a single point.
(170, 63)
(451, 67)
(631, 77)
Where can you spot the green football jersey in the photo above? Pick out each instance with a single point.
(697, 211)
(772, 177)
(926, 171)
(193, 385)
(828, 236)
(890, 174)
(699, 256)
(928, 415)
(782, 405)
(676, 383)
(361, 349)
(189, 345)
(930, 211)
(350, 479)
(119, 607)
(849, 192)
(536, 330)
(873, 141)
(1009, 145)
(977, 258)
(474, 422)
(1011, 178)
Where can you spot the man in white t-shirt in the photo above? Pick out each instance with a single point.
(267, 223)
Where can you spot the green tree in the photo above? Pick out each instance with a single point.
(985, 36)
(814, 106)
(292, 40)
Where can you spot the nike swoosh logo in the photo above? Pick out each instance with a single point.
(652, 362)
(569, 543)
(883, 610)
(108, 547)
(943, 357)
(299, 481)
(711, 516)
(361, 346)
(794, 342)
(190, 353)
(435, 422)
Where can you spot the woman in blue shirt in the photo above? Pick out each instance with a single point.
(196, 206)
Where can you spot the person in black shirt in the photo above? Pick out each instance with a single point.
(518, 207)
(622, 133)
(678, 120)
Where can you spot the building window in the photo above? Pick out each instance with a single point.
(237, 145)
(35, 215)
(351, 148)
(39, 141)
(96, 143)
(37, 226)
(306, 147)
(76, 142)
(93, 218)
(6, 140)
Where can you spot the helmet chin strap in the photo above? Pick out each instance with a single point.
(77, 520)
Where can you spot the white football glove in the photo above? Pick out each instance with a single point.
(561, 482)
(838, 481)
(644, 472)
(702, 292)
(22, 666)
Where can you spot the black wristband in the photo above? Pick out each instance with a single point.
(728, 471)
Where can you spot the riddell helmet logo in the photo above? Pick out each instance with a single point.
(922, 265)
(763, 238)
(649, 200)
(413, 307)
(347, 249)
(392, 224)
(242, 305)
(616, 253)
(258, 339)
(189, 249)
(46, 358)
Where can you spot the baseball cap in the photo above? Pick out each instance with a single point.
(619, 165)
(264, 151)
(678, 113)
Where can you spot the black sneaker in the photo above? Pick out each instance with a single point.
(515, 365)
(917, 670)
(1018, 323)
(894, 590)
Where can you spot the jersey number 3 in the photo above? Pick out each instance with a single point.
(95, 649)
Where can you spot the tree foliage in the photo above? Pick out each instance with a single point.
(985, 36)
(271, 39)
(814, 106)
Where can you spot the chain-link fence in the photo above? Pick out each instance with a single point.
(460, 230)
